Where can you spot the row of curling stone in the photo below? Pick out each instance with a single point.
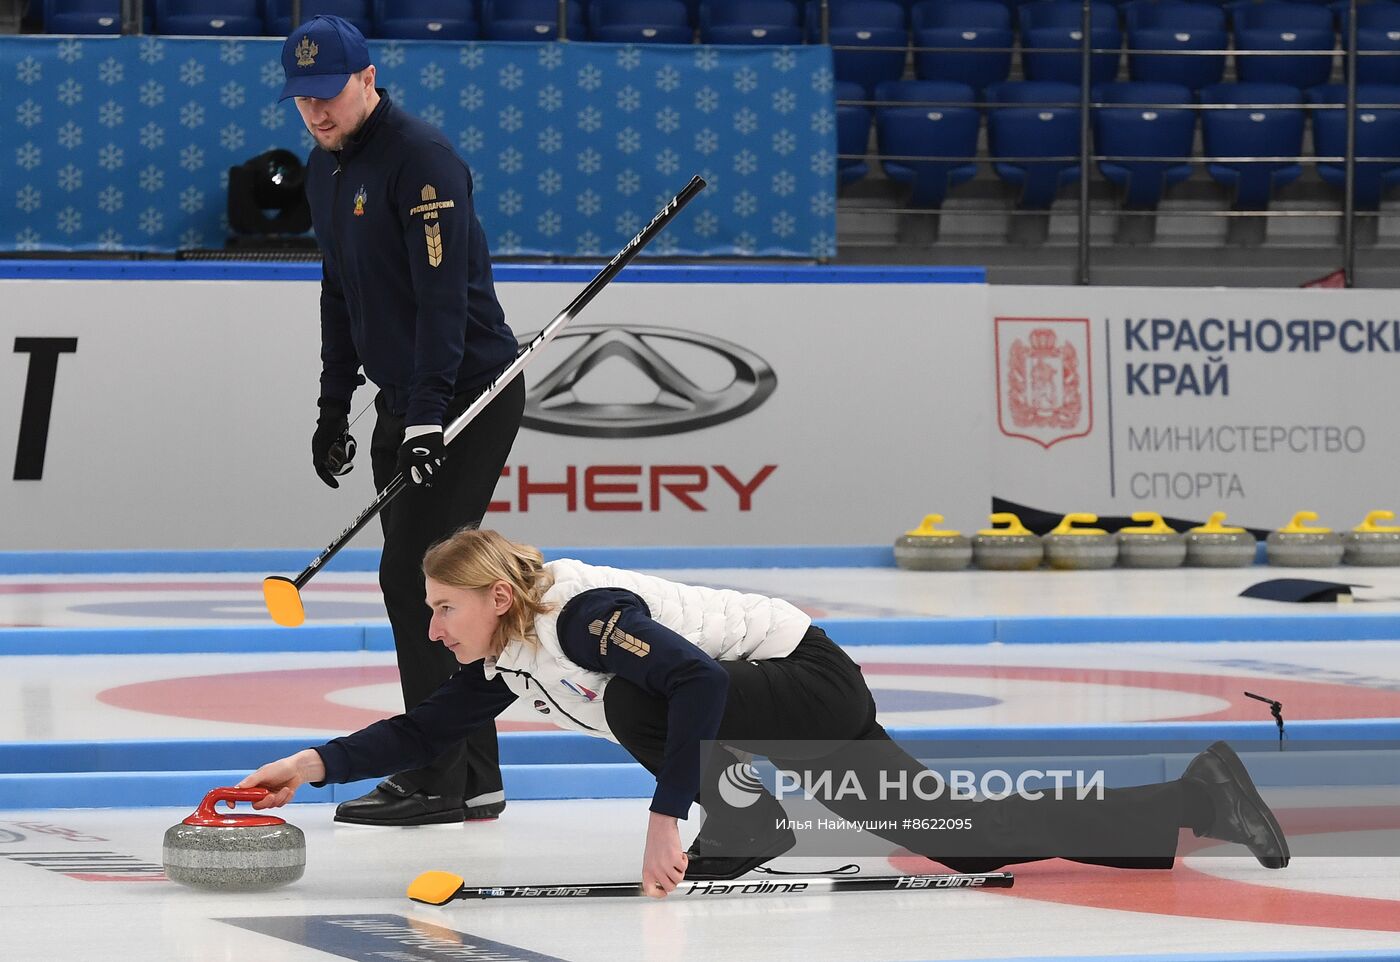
(1073, 545)
(1010, 546)
(1301, 545)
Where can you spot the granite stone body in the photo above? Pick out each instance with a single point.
(1007, 552)
(1151, 550)
(1301, 545)
(1371, 548)
(1217, 545)
(945, 553)
(242, 859)
(1081, 552)
(1152, 544)
(1304, 549)
(1080, 549)
(1220, 550)
(1372, 543)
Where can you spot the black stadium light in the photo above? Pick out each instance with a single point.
(267, 204)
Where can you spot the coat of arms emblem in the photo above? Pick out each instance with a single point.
(1043, 384)
(306, 52)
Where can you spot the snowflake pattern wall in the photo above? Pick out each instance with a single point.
(124, 143)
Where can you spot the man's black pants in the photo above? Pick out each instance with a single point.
(413, 522)
(817, 696)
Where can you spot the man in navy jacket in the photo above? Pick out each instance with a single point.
(407, 295)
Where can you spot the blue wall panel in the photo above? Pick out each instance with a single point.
(124, 143)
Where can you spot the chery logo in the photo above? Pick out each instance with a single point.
(645, 382)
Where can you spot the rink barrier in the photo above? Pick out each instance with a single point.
(182, 789)
(916, 631)
(267, 561)
(561, 747)
(557, 765)
(264, 561)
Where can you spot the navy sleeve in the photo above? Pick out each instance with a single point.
(340, 364)
(463, 702)
(611, 630)
(434, 197)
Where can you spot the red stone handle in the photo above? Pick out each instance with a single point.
(207, 815)
(230, 795)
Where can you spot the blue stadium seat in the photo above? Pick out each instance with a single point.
(640, 33)
(738, 33)
(1377, 68)
(1256, 131)
(209, 18)
(868, 67)
(278, 14)
(1303, 70)
(908, 6)
(528, 19)
(852, 134)
(924, 92)
(1035, 131)
(1378, 16)
(1377, 135)
(928, 130)
(750, 22)
(425, 19)
(1374, 15)
(1173, 15)
(1034, 94)
(987, 60)
(874, 13)
(888, 14)
(527, 10)
(960, 14)
(1280, 16)
(527, 29)
(1193, 71)
(1040, 63)
(83, 16)
(749, 13)
(649, 12)
(640, 21)
(1141, 131)
(1064, 13)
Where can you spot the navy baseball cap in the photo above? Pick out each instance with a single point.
(319, 57)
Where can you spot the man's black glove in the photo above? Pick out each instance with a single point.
(332, 448)
(421, 457)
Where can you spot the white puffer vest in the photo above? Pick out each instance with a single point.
(728, 625)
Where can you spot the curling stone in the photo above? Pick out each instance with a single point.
(1011, 548)
(1373, 544)
(1080, 549)
(233, 853)
(1218, 545)
(1155, 545)
(1296, 545)
(926, 548)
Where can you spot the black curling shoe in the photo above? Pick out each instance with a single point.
(738, 842)
(1240, 814)
(390, 804)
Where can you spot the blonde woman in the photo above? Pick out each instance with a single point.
(666, 669)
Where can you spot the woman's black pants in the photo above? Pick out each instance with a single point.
(812, 712)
